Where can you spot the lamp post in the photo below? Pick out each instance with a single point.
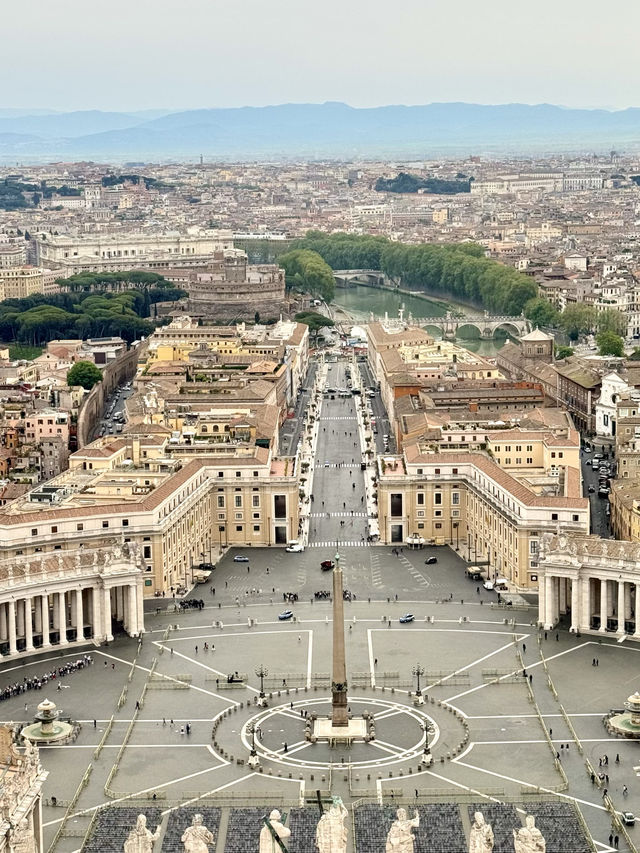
(253, 761)
(455, 527)
(427, 758)
(418, 670)
(262, 672)
(220, 530)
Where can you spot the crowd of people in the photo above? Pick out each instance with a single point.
(40, 681)
(193, 603)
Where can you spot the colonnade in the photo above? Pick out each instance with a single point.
(592, 603)
(38, 619)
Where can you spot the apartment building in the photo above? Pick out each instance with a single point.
(180, 510)
(467, 497)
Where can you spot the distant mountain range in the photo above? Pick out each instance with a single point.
(313, 131)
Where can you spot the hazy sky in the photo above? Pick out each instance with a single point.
(138, 54)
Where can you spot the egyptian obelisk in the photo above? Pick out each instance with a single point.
(339, 711)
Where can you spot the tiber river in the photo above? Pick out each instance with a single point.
(359, 301)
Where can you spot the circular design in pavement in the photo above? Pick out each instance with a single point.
(400, 735)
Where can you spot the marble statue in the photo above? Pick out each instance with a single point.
(528, 839)
(196, 838)
(481, 835)
(268, 844)
(331, 833)
(400, 837)
(140, 839)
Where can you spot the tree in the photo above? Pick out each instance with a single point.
(84, 373)
(306, 271)
(635, 355)
(314, 321)
(610, 344)
(611, 320)
(541, 312)
(578, 320)
(563, 352)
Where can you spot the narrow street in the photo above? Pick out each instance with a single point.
(339, 511)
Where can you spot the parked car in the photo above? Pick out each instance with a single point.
(327, 565)
(240, 558)
(294, 548)
(592, 488)
(286, 614)
(430, 561)
(628, 818)
(408, 617)
(488, 584)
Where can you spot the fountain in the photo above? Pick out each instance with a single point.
(626, 723)
(47, 728)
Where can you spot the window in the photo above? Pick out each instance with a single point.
(34, 531)
(438, 525)
(220, 473)
(454, 470)
(105, 523)
(125, 522)
(438, 513)
(238, 515)
(529, 448)
(507, 461)
(80, 526)
(238, 473)
(420, 498)
(256, 528)
(396, 504)
(518, 448)
(575, 517)
(518, 461)
(238, 500)
(420, 525)
(419, 471)
(220, 501)
(146, 551)
(437, 498)
(529, 460)
(554, 516)
(455, 498)
(54, 529)
(455, 513)
(255, 500)
(255, 473)
(437, 471)
(238, 528)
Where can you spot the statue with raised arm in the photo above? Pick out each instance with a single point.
(331, 833)
(196, 838)
(268, 843)
(400, 837)
(528, 839)
(140, 839)
(481, 836)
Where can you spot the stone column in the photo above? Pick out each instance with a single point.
(604, 605)
(627, 601)
(37, 614)
(548, 601)
(45, 621)
(4, 631)
(576, 616)
(13, 647)
(62, 619)
(586, 603)
(555, 597)
(20, 617)
(562, 595)
(28, 625)
(636, 632)
(79, 616)
(140, 602)
(132, 610)
(621, 586)
(106, 602)
(96, 614)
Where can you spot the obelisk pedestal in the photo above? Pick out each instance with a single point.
(340, 727)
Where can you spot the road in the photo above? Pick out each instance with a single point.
(378, 410)
(599, 506)
(291, 429)
(107, 424)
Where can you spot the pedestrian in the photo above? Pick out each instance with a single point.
(188, 728)
(616, 841)
(416, 793)
(524, 648)
(606, 778)
(171, 652)
(545, 635)
(617, 756)
(550, 732)
(94, 722)
(593, 778)
(557, 637)
(137, 705)
(285, 747)
(604, 793)
(196, 650)
(113, 666)
(26, 707)
(530, 679)
(593, 662)
(375, 661)
(164, 721)
(597, 661)
(625, 790)
(105, 663)
(610, 839)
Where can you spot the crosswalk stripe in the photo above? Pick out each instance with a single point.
(331, 543)
(339, 515)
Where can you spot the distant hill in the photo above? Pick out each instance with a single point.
(316, 130)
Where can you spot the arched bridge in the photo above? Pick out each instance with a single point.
(486, 324)
(372, 277)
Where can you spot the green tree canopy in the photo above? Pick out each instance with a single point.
(459, 270)
(563, 352)
(84, 373)
(306, 271)
(578, 320)
(610, 344)
(313, 320)
(611, 320)
(541, 312)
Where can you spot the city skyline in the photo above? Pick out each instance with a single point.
(143, 56)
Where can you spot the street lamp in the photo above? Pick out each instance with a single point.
(427, 758)
(418, 670)
(253, 761)
(455, 527)
(262, 672)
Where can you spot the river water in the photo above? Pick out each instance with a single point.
(360, 301)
